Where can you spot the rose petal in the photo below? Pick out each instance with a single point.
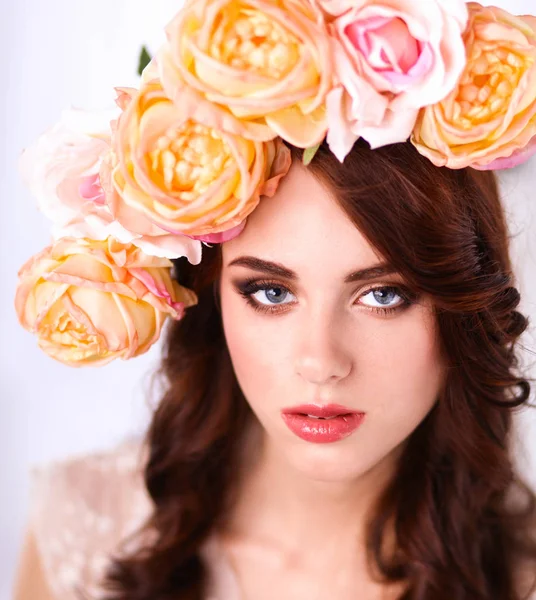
(508, 162)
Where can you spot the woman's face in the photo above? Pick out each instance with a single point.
(315, 339)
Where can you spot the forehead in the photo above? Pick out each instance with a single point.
(303, 227)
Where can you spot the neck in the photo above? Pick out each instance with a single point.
(280, 508)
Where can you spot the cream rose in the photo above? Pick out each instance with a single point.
(392, 58)
(184, 166)
(489, 120)
(268, 61)
(90, 302)
(62, 170)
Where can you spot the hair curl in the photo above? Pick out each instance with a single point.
(464, 521)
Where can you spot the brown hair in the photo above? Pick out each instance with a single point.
(464, 521)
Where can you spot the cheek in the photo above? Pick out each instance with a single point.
(256, 352)
(406, 376)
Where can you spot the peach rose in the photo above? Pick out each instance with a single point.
(90, 302)
(489, 120)
(184, 166)
(269, 62)
(392, 58)
(62, 170)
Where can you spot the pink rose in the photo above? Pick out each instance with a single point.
(61, 167)
(392, 59)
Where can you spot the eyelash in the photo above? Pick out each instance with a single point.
(251, 286)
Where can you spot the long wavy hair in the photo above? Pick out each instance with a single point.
(464, 521)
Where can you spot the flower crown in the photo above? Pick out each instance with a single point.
(185, 158)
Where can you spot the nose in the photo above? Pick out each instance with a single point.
(321, 356)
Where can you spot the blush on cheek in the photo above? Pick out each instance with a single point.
(254, 350)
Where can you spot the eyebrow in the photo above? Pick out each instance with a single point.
(278, 270)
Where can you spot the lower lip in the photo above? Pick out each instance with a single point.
(322, 431)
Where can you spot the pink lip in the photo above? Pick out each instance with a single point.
(343, 423)
(329, 410)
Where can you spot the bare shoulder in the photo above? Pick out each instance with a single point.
(30, 579)
(527, 580)
(83, 507)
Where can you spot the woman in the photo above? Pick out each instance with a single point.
(339, 392)
(422, 484)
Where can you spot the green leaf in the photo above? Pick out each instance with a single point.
(144, 60)
(309, 154)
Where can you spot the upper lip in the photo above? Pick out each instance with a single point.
(328, 410)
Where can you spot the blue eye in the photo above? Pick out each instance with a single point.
(276, 298)
(276, 294)
(383, 295)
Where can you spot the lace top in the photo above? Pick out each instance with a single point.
(83, 507)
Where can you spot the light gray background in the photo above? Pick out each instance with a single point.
(73, 52)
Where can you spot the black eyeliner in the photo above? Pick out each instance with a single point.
(250, 286)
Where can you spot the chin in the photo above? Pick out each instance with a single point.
(336, 462)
